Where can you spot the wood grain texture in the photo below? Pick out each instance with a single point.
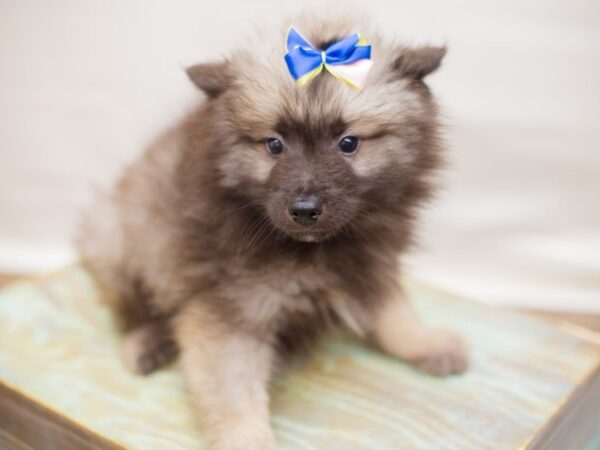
(577, 425)
(591, 321)
(25, 424)
(58, 345)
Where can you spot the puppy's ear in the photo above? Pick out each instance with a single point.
(418, 62)
(211, 78)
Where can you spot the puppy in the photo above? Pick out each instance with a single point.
(270, 214)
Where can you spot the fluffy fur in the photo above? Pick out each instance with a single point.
(198, 254)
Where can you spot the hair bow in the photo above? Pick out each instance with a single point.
(349, 60)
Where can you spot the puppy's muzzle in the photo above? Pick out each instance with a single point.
(305, 211)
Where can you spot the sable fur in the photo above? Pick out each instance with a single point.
(195, 245)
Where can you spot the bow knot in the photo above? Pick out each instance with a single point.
(349, 59)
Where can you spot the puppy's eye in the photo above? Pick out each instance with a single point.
(349, 144)
(275, 146)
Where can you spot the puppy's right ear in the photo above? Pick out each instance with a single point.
(211, 78)
(418, 62)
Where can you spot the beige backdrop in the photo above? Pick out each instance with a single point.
(83, 85)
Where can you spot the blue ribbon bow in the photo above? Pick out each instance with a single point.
(305, 62)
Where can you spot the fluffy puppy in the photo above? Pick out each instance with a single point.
(270, 214)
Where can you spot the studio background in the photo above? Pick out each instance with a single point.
(85, 85)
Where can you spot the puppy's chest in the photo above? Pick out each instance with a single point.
(266, 297)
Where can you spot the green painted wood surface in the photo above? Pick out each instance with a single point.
(58, 346)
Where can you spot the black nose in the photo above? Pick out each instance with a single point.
(306, 210)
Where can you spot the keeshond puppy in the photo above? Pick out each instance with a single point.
(272, 213)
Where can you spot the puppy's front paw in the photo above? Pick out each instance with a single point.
(447, 354)
(147, 349)
(250, 435)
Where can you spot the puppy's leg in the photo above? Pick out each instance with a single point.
(399, 331)
(227, 373)
(148, 347)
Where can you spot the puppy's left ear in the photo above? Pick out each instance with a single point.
(211, 78)
(418, 62)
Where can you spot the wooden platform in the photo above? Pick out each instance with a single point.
(532, 385)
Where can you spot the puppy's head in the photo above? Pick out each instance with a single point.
(324, 159)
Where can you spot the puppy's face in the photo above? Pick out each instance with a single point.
(324, 159)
